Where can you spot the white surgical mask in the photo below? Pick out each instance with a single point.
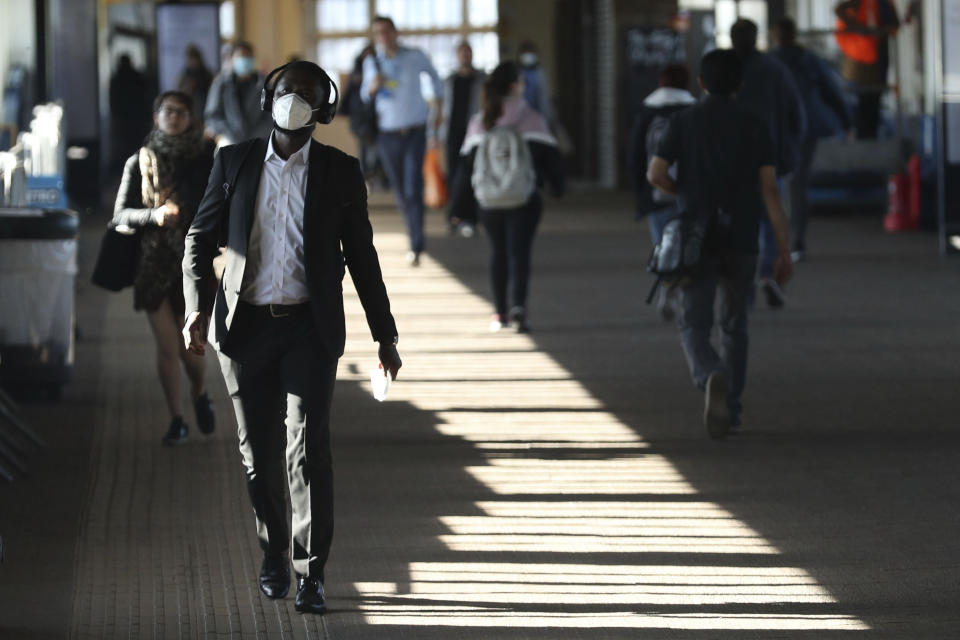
(291, 112)
(528, 59)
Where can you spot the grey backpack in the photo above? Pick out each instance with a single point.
(503, 174)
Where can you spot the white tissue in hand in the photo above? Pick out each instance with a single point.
(380, 383)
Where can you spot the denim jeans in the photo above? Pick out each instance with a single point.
(796, 195)
(731, 274)
(401, 154)
(768, 239)
(511, 245)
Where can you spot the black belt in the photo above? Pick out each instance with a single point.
(405, 130)
(278, 310)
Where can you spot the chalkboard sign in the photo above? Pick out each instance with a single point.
(646, 52)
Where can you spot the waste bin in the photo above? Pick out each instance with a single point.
(38, 267)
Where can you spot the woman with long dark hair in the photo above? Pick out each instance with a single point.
(506, 181)
(161, 189)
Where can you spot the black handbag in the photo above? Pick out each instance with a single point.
(676, 257)
(116, 266)
(363, 115)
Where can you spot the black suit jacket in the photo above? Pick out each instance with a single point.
(336, 232)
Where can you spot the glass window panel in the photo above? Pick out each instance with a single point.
(422, 14)
(486, 50)
(483, 13)
(227, 21)
(343, 15)
(441, 49)
(756, 10)
(336, 55)
(726, 12)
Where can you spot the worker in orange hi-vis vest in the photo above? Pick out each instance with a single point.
(863, 30)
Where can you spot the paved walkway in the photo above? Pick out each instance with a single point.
(556, 485)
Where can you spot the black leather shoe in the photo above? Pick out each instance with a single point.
(310, 596)
(275, 576)
(203, 408)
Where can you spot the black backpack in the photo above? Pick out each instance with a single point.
(656, 131)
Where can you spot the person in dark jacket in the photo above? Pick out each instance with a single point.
(769, 92)
(648, 129)
(511, 231)
(461, 99)
(233, 111)
(195, 80)
(827, 113)
(670, 97)
(726, 176)
(161, 189)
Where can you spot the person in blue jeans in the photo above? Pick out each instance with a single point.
(770, 93)
(391, 78)
(511, 231)
(726, 174)
(827, 114)
(670, 97)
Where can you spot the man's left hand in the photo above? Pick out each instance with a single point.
(390, 359)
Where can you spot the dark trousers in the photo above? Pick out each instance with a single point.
(732, 275)
(511, 245)
(281, 383)
(467, 209)
(401, 154)
(798, 202)
(868, 115)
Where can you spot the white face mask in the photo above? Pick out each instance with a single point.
(291, 112)
(528, 59)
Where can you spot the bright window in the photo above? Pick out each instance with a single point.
(436, 26)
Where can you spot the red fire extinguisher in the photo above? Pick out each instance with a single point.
(904, 192)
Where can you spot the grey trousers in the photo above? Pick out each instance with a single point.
(281, 384)
(731, 275)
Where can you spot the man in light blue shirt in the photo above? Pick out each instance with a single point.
(391, 79)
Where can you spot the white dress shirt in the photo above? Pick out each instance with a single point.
(274, 273)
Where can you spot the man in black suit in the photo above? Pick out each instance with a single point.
(297, 217)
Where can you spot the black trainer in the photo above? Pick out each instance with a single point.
(518, 320)
(310, 596)
(177, 433)
(206, 419)
(716, 412)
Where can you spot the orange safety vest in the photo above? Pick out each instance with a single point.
(859, 46)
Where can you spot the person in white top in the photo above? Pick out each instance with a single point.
(292, 213)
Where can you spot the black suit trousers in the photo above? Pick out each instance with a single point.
(281, 382)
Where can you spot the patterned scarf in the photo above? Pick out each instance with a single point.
(160, 157)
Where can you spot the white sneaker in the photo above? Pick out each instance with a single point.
(497, 322)
(413, 258)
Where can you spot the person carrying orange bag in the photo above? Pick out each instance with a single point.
(434, 182)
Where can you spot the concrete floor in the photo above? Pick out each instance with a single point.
(556, 485)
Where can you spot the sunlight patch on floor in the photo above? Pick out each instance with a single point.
(563, 477)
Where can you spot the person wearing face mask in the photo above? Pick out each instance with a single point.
(233, 110)
(161, 188)
(292, 214)
(535, 89)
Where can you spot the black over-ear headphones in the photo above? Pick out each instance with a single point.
(327, 110)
